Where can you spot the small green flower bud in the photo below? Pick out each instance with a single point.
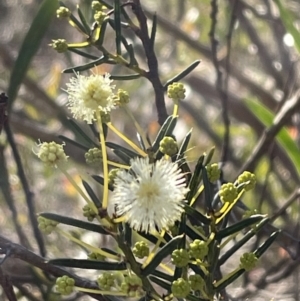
(213, 172)
(196, 282)
(249, 178)
(228, 192)
(180, 288)
(248, 261)
(132, 285)
(180, 258)
(106, 281)
(168, 146)
(105, 117)
(100, 17)
(140, 249)
(121, 98)
(46, 225)
(97, 6)
(63, 12)
(198, 249)
(176, 91)
(88, 213)
(65, 285)
(96, 256)
(112, 175)
(93, 155)
(59, 45)
(51, 153)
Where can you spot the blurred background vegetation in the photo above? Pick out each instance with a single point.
(248, 72)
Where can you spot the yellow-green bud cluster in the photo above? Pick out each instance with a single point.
(141, 249)
(248, 261)
(112, 175)
(63, 12)
(176, 91)
(196, 282)
(228, 192)
(65, 285)
(248, 178)
(106, 281)
(97, 6)
(198, 249)
(96, 256)
(93, 155)
(132, 285)
(88, 213)
(100, 17)
(59, 45)
(180, 288)
(168, 146)
(121, 98)
(51, 153)
(46, 225)
(180, 258)
(213, 172)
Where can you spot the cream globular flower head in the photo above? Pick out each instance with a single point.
(150, 196)
(87, 95)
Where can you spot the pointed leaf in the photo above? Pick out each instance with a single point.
(78, 129)
(166, 130)
(83, 20)
(161, 283)
(184, 145)
(195, 214)
(125, 77)
(75, 143)
(195, 180)
(89, 264)
(92, 194)
(209, 156)
(208, 190)
(162, 275)
(239, 226)
(87, 66)
(153, 30)
(166, 250)
(131, 154)
(74, 222)
(30, 46)
(182, 74)
(83, 54)
(241, 242)
(264, 246)
(229, 280)
(153, 239)
(100, 180)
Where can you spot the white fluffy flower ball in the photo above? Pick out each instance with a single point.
(89, 94)
(150, 196)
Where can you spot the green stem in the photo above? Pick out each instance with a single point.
(104, 160)
(125, 139)
(85, 245)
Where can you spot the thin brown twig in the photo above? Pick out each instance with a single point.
(153, 72)
(26, 188)
(219, 81)
(17, 251)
